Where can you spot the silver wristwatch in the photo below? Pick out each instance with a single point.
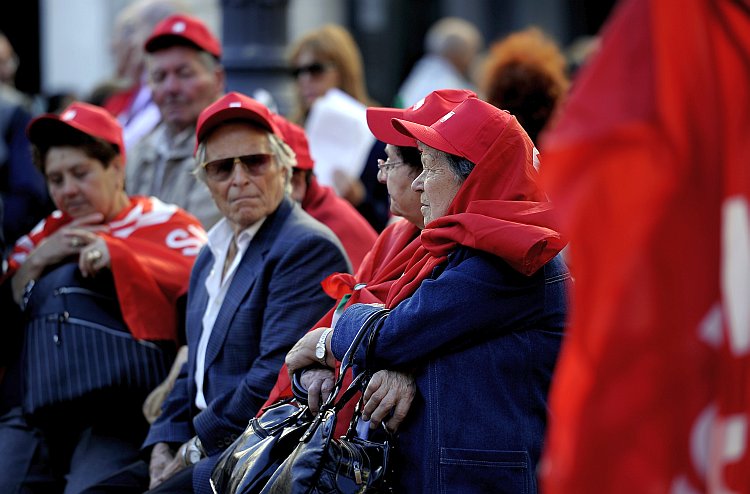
(193, 451)
(320, 348)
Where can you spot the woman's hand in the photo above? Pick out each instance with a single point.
(302, 353)
(319, 385)
(94, 257)
(67, 241)
(164, 464)
(350, 188)
(388, 391)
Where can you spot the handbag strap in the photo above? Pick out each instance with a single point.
(362, 385)
(348, 361)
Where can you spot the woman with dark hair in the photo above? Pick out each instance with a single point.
(99, 282)
(477, 317)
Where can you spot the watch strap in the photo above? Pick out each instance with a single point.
(322, 346)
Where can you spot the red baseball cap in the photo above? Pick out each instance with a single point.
(83, 117)
(295, 137)
(425, 112)
(181, 29)
(469, 130)
(234, 106)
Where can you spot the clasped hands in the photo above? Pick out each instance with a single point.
(387, 398)
(79, 237)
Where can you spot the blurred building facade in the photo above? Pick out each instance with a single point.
(64, 45)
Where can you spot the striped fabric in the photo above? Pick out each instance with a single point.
(68, 358)
(76, 344)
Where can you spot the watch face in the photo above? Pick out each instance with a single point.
(194, 456)
(320, 352)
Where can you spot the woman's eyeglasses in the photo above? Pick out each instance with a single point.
(314, 69)
(254, 164)
(386, 166)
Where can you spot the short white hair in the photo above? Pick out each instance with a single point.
(453, 36)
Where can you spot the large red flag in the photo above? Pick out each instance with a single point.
(650, 165)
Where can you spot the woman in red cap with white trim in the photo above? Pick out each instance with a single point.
(477, 316)
(99, 282)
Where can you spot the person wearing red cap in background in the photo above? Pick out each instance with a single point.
(321, 202)
(185, 76)
(254, 290)
(78, 418)
(478, 314)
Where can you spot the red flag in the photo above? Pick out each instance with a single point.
(648, 165)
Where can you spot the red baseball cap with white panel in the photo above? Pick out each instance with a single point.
(84, 117)
(425, 111)
(295, 137)
(234, 106)
(181, 29)
(469, 130)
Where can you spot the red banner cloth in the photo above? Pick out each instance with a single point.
(648, 166)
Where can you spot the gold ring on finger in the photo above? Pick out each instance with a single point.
(93, 255)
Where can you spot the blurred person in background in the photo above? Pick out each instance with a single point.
(321, 60)
(525, 73)
(185, 76)
(129, 97)
(451, 48)
(22, 186)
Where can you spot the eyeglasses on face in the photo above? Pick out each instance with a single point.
(387, 166)
(314, 69)
(254, 164)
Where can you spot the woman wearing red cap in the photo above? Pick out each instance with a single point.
(98, 282)
(477, 316)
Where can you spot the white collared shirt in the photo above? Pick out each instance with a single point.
(219, 238)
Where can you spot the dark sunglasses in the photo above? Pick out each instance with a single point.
(314, 69)
(254, 164)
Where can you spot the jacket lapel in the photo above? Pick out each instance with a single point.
(244, 278)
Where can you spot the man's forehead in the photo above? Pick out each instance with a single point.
(240, 135)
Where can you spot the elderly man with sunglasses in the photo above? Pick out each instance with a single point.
(254, 291)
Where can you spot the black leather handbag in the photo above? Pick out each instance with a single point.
(77, 346)
(266, 442)
(322, 463)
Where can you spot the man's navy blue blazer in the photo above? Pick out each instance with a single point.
(274, 299)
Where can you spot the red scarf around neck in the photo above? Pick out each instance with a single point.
(499, 209)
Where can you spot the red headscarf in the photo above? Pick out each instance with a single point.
(499, 209)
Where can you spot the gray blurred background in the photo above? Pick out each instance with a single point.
(64, 45)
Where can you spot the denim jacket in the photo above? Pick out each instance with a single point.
(481, 340)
